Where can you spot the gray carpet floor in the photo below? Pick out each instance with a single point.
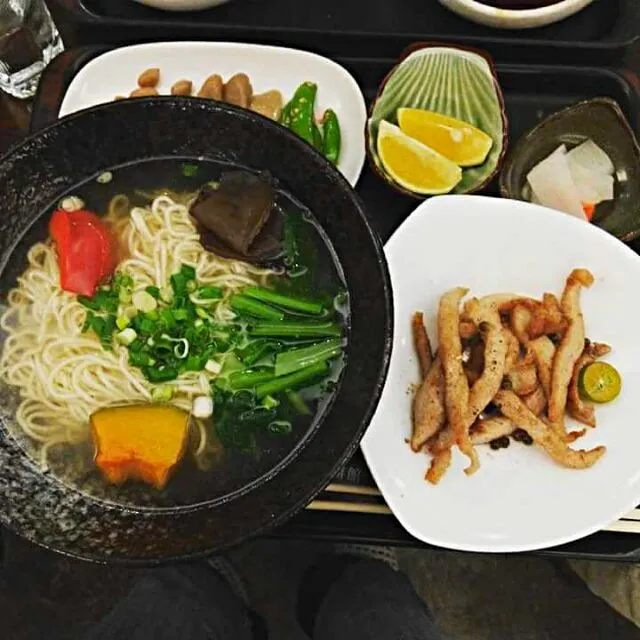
(473, 597)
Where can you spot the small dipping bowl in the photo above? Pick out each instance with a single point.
(602, 121)
(468, 90)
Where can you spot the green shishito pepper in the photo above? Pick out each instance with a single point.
(301, 111)
(299, 116)
(331, 136)
(285, 115)
(318, 143)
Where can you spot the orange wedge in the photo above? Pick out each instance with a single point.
(456, 140)
(413, 165)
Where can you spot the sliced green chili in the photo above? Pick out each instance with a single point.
(331, 137)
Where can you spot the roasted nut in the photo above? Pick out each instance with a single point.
(149, 77)
(212, 88)
(182, 88)
(268, 104)
(143, 92)
(238, 90)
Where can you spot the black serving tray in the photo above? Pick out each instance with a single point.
(598, 35)
(531, 92)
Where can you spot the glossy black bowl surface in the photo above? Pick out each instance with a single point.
(36, 504)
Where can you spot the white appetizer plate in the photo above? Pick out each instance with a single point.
(520, 499)
(116, 73)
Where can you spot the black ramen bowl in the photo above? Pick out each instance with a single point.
(37, 504)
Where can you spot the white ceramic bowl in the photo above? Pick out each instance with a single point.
(515, 18)
(181, 5)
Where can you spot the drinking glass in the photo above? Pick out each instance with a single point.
(29, 40)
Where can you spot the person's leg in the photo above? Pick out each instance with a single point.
(349, 598)
(190, 602)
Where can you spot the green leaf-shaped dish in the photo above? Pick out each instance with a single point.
(454, 81)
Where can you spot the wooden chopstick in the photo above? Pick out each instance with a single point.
(630, 523)
(336, 487)
(351, 507)
(624, 526)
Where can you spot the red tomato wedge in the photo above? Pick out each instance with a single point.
(107, 242)
(86, 250)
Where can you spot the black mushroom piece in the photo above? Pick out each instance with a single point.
(239, 219)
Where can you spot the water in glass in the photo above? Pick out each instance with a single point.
(29, 40)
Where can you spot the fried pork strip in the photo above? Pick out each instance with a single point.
(485, 430)
(428, 407)
(421, 343)
(545, 437)
(536, 401)
(439, 466)
(570, 348)
(496, 349)
(487, 318)
(455, 380)
(578, 409)
(543, 352)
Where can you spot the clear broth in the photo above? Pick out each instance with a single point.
(228, 471)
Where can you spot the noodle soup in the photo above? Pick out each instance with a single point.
(143, 366)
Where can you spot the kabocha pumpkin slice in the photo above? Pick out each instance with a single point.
(139, 442)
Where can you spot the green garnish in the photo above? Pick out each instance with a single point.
(209, 293)
(104, 300)
(162, 394)
(269, 402)
(163, 373)
(163, 338)
(189, 170)
(296, 401)
(238, 417)
(296, 330)
(243, 305)
(287, 302)
(259, 349)
(178, 314)
(294, 380)
(249, 378)
(256, 362)
(180, 281)
(290, 361)
(280, 427)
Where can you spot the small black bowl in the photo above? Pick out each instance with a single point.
(36, 504)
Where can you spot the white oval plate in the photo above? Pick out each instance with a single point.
(520, 499)
(116, 73)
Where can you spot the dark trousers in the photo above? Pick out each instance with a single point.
(368, 601)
